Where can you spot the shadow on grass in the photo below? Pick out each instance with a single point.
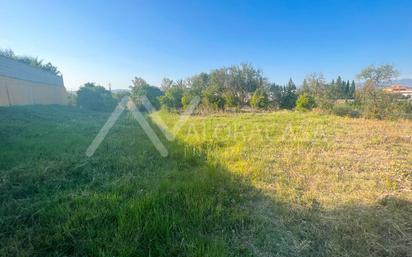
(129, 201)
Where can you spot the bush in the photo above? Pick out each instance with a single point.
(118, 95)
(398, 109)
(172, 99)
(377, 104)
(259, 99)
(71, 98)
(305, 102)
(231, 100)
(96, 98)
(213, 101)
(345, 110)
(141, 88)
(187, 99)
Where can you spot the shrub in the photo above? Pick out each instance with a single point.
(398, 109)
(377, 104)
(172, 99)
(213, 101)
(231, 100)
(141, 88)
(96, 98)
(345, 110)
(305, 102)
(71, 98)
(259, 99)
(118, 95)
(186, 98)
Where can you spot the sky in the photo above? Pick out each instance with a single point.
(111, 42)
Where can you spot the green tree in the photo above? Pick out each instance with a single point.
(339, 87)
(231, 100)
(347, 90)
(373, 102)
(305, 86)
(338, 90)
(186, 99)
(289, 95)
(378, 76)
(95, 97)
(305, 102)
(213, 101)
(141, 88)
(199, 83)
(352, 90)
(260, 99)
(320, 92)
(276, 95)
(241, 81)
(172, 98)
(230, 86)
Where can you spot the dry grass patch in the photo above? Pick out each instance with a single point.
(331, 186)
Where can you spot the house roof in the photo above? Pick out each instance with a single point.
(397, 88)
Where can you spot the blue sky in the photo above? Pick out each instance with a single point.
(113, 41)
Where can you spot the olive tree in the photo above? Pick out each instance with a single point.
(370, 98)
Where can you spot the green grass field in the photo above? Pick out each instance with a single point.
(266, 184)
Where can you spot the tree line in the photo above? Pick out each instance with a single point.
(236, 87)
(241, 87)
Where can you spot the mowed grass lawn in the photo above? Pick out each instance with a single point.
(267, 184)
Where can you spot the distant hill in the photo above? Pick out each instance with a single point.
(120, 90)
(404, 82)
